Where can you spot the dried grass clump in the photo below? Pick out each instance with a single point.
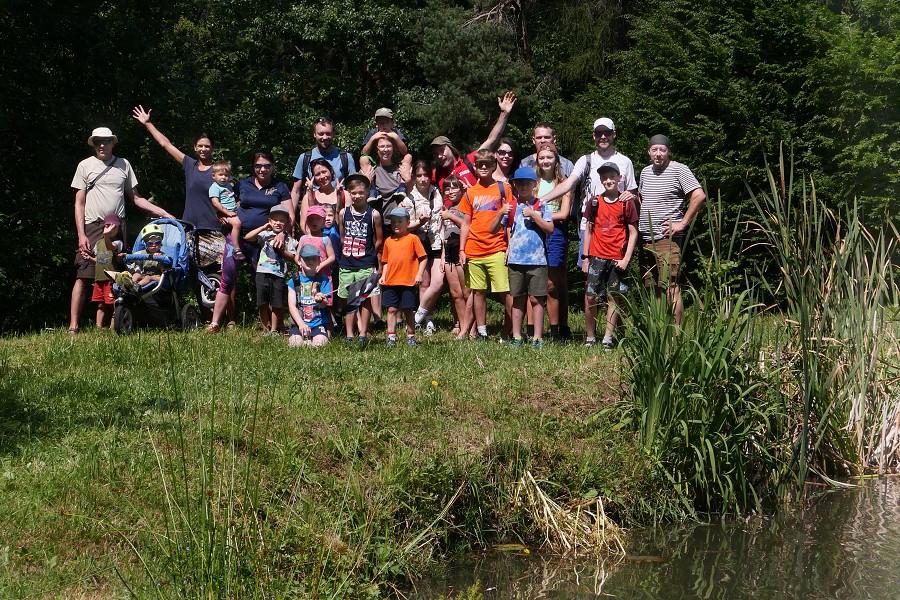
(577, 529)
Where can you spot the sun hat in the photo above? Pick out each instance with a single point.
(113, 219)
(659, 140)
(309, 251)
(384, 112)
(399, 212)
(102, 132)
(524, 173)
(315, 211)
(604, 122)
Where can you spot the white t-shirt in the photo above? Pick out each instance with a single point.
(626, 169)
(107, 197)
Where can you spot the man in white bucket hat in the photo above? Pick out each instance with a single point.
(102, 183)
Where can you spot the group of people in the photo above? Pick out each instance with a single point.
(488, 222)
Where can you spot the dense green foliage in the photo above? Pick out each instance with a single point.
(726, 81)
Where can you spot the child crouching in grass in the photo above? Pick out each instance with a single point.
(529, 227)
(404, 263)
(309, 296)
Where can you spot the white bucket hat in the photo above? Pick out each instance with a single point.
(102, 132)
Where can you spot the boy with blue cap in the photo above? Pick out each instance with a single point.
(309, 297)
(528, 226)
(403, 266)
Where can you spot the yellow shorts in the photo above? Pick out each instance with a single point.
(488, 273)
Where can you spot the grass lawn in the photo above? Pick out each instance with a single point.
(174, 464)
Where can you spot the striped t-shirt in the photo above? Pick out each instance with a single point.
(662, 196)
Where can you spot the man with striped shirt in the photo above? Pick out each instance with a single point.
(664, 187)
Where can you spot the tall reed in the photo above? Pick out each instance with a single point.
(834, 281)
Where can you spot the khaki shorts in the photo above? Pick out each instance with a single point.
(83, 267)
(527, 280)
(488, 273)
(658, 258)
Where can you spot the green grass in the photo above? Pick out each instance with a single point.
(172, 464)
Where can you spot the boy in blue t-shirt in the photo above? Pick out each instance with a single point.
(271, 269)
(309, 296)
(526, 260)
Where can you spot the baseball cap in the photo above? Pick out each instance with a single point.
(309, 251)
(113, 219)
(441, 140)
(356, 177)
(384, 112)
(609, 166)
(399, 212)
(604, 122)
(524, 173)
(278, 208)
(315, 211)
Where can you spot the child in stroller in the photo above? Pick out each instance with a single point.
(144, 267)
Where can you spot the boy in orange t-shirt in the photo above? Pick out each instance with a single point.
(403, 260)
(485, 207)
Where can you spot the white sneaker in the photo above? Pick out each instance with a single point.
(430, 327)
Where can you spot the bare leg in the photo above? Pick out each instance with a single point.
(518, 314)
(392, 319)
(265, 317)
(365, 312)
(430, 293)
(537, 309)
(612, 316)
(590, 315)
(277, 319)
(479, 306)
(506, 299)
(79, 298)
(675, 301)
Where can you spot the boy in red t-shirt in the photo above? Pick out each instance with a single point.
(486, 207)
(610, 238)
(403, 260)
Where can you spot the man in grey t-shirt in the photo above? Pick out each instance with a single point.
(665, 185)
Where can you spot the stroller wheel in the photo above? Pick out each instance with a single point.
(123, 320)
(207, 295)
(190, 317)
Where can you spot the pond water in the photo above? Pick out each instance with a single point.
(846, 545)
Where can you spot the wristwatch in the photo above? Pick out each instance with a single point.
(584, 257)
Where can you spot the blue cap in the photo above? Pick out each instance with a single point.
(309, 251)
(524, 173)
(399, 212)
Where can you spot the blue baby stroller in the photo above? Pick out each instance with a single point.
(157, 303)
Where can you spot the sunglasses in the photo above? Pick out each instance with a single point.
(153, 243)
(103, 141)
(263, 166)
(504, 152)
(483, 164)
(603, 133)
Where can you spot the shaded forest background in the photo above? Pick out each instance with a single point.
(728, 82)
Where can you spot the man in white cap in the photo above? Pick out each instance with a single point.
(102, 183)
(665, 185)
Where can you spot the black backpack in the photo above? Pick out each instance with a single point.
(307, 158)
(582, 193)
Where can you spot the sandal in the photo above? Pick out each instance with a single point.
(72, 330)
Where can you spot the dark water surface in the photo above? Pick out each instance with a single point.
(845, 545)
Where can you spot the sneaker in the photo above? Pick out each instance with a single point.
(589, 342)
(348, 340)
(362, 341)
(515, 342)
(213, 328)
(537, 344)
(481, 337)
(430, 327)
(391, 343)
(609, 346)
(412, 341)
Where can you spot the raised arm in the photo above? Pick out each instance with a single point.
(506, 105)
(144, 117)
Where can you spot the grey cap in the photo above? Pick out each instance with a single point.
(384, 112)
(309, 251)
(441, 140)
(609, 166)
(279, 208)
(659, 139)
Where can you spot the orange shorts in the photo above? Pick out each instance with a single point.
(103, 292)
